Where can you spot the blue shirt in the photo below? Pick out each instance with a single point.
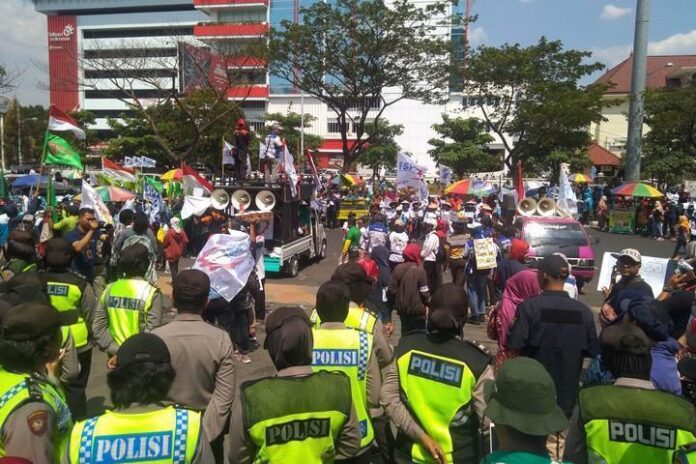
(84, 261)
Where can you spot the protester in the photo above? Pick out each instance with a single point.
(141, 234)
(175, 242)
(628, 263)
(20, 255)
(514, 262)
(377, 301)
(351, 240)
(139, 381)
(457, 252)
(408, 290)
(429, 255)
(83, 239)
(477, 280)
(398, 239)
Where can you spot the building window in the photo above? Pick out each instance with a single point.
(372, 103)
(130, 53)
(253, 105)
(113, 113)
(137, 32)
(138, 93)
(335, 128)
(256, 126)
(128, 73)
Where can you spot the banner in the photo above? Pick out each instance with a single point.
(410, 174)
(155, 198)
(194, 206)
(566, 194)
(484, 250)
(289, 166)
(263, 149)
(227, 150)
(228, 261)
(91, 199)
(445, 175)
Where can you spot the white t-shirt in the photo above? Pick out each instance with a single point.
(397, 243)
(430, 247)
(273, 142)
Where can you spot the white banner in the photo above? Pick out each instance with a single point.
(91, 199)
(566, 195)
(410, 174)
(194, 206)
(227, 149)
(228, 261)
(146, 162)
(289, 166)
(655, 271)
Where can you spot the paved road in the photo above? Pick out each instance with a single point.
(301, 290)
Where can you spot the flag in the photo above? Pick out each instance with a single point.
(263, 149)
(410, 174)
(191, 179)
(227, 260)
(91, 199)
(4, 191)
(566, 196)
(289, 167)
(520, 183)
(51, 200)
(154, 183)
(59, 121)
(315, 173)
(59, 152)
(155, 198)
(116, 171)
(227, 150)
(445, 175)
(146, 162)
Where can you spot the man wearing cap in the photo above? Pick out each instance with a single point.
(71, 294)
(298, 415)
(34, 419)
(628, 263)
(433, 392)
(340, 348)
(521, 402)
(629, 421)
(556, 330)
(140, 429)
(203, 356)
(275, 146)
(128, 306)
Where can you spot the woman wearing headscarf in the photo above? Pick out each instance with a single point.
(520, 287)
(408, 290)
(514, 263)
(175, 243)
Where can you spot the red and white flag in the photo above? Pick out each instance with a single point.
(117, 171)
(191, 179)
(315, 174)
(59, 121)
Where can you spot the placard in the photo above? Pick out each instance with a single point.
(484, 251)
(622, 222)
(655, 271)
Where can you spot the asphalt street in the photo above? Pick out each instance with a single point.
(300, 291)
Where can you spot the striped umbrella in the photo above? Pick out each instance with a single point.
(637, 189)
(579, 178)
(111, 193)
(475, 187)
(346, 179)
(174, 174)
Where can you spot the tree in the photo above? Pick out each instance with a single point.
(383, 150)
(25, 127)
(348, 52)
(669, 149)
(531, 98)
(8, 79)
(463, 146)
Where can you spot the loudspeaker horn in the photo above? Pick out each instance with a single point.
(241, 200)
(265, 200)
(527, 207)
(219, 199)
(546, 207)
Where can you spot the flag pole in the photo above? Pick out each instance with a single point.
(222, 162)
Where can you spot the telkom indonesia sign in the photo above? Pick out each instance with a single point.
(62, 61)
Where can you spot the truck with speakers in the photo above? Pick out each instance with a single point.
(292, 229)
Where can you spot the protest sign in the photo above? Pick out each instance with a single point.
(655, 271)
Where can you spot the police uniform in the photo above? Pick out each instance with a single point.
(435, 386)
(127, 307)
(630, 422)
(140, 434)
(297, 416)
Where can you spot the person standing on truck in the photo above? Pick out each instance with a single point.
(275, 146)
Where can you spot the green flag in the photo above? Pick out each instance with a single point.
(154, 183)
(51, 197)
(3, 185)
(59, 152)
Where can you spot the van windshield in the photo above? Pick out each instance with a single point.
(539, 234)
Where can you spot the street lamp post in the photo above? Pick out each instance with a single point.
(4, 106)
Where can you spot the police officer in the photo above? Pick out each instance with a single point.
(70, 293)
(20, 255)
(34, 418)
(340, 348)
(433, 391)
(140, 429)
(629, 421)
(298, 415)
(128, 306)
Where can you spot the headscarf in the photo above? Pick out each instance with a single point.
(518, 249)
(289, 341)
(441, 228)
(684, 223)
(412, 253)
(449, 306)
(175, 223)
(518, 288)
(380, 255)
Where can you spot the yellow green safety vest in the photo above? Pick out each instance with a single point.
(19, 389)
(127, 303)
(290, 428)
(685, 454)
(347, 351)
(625, 424)
(437, 382)
(358, 318)
(67, 297)
(168, 435)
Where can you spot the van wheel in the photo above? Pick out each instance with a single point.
(293, 267)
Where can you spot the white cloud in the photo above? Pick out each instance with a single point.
(614, 12)
(682, 43)
(477, 36)
(24, 43)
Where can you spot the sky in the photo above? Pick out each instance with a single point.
(603, 27)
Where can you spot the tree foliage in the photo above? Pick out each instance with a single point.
(669, 149)
(531, 95)
(29, 124)
(348, 52)
(8, 79)
(462, 145)
(382, 152)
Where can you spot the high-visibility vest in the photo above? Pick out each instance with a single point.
(19, 389)
(347, 351)
(624, 424)
(685, 455)
(437, 382)
(127, 303)
(65, 291)
(288, 427)
(168, 435)
(358, 318)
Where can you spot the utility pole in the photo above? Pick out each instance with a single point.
(19, 135)
(637, 103)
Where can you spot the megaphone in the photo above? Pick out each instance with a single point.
(219, 199)
(546, 207)
(241, 200)
(265, 200)
(527, 207)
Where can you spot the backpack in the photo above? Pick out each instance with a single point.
(144, 240)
